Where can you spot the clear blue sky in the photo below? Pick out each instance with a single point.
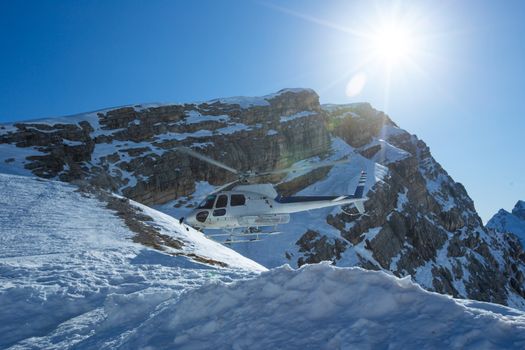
(464, 95)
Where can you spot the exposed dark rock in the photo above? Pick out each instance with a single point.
(317, 248)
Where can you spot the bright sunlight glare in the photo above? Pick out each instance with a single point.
(392, 43)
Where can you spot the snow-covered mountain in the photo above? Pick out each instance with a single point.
(513, 222)
(419, 221)
(85, 268)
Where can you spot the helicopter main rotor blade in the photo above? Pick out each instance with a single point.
(207, 159)
(304, 167)
(224, 186)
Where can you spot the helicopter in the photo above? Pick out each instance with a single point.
(250, 206)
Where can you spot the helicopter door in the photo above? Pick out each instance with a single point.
(220, 205)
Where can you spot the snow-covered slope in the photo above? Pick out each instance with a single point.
(325, 307)
(71, 276)
(70, 273)
(513, 222)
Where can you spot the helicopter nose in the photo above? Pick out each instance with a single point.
(190, 219)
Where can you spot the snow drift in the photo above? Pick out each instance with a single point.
(322, 306)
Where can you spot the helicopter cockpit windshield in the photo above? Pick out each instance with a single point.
(207, 203)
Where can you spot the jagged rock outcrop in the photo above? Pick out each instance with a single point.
(419, 221)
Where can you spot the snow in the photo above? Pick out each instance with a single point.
(243, 101)
(233, 128)
(302, 114)
(7, 128)
(71, 276)
(71, 143)
(194, 117)
(402, 200)
(196, 242)
(325, 307)
(388, 131)
(201, 144)
(361, 250)
(387, 153)
(13, 159)
(302, 168)
(201, 133)
(180, 136)
(371, 233)
(435, 184)
(424, 276)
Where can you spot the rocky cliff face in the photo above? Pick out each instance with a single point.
(419, 222)
(131, 149)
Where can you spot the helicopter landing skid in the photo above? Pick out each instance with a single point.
(237, 237)
(244, 234)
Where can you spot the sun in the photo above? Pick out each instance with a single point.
(381, 47)
(392, 43)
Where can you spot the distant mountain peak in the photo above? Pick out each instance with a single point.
(519, 209)
(513, 222)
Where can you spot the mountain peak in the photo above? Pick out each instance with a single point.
(519, 209)
(514, 222)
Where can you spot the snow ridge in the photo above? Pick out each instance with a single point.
(322, 306)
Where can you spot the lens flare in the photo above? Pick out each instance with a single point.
(356, 84)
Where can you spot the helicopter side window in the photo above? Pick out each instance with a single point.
(219, 212)
(207, 203)
(222, 201)
(202, 216)
(237, 199)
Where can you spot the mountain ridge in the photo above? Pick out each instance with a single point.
(419, 221)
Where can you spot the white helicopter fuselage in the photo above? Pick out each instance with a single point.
(258, 205)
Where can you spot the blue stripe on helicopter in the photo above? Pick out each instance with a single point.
(297, 199)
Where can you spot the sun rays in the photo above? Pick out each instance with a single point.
(384, 48)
